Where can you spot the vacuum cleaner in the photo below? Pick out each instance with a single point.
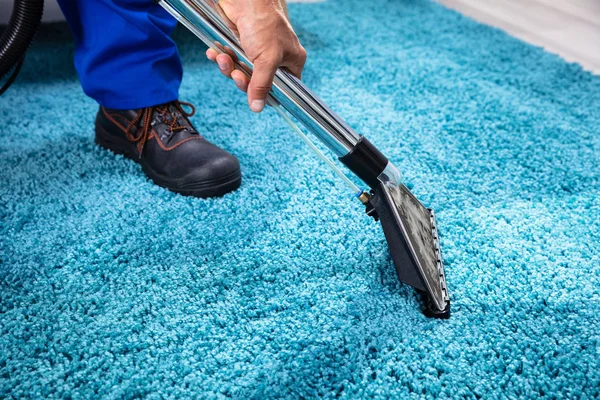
(409, 227)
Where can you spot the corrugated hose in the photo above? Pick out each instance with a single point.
(17, 36)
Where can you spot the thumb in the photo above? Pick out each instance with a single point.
(261, 82)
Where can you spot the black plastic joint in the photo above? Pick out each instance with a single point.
(365, 161)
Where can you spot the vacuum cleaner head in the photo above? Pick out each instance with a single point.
(412, 237)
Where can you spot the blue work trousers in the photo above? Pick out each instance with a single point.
(124, 54)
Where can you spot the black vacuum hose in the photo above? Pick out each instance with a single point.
(17, 36)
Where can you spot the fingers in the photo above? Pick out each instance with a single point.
(226, 66)
(240, 79)
(212, 54)
(261, 81)
(223, 60)
(259, 86)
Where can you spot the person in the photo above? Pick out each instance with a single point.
(128, 63)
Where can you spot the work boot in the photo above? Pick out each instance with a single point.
(169, 149)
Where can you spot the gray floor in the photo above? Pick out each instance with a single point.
(569, 28)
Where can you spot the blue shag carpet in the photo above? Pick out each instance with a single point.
(113, 287)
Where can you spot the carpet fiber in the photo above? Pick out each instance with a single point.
(113, 287)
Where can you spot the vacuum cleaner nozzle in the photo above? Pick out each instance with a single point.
(409, 227)
(411, 233)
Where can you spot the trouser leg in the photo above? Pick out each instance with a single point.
(124, 55)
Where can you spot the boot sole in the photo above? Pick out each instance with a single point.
(203, 189)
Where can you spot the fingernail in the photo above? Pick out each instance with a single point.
(257, 105)
(222, 67)
(238, 82)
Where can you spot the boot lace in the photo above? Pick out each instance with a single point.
(145, 116)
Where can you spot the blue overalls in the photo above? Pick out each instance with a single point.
(124, 55)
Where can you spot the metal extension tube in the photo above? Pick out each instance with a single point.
(202, 17)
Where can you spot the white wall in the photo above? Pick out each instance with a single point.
(51, 11)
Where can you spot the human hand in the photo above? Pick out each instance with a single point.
(268, 40)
